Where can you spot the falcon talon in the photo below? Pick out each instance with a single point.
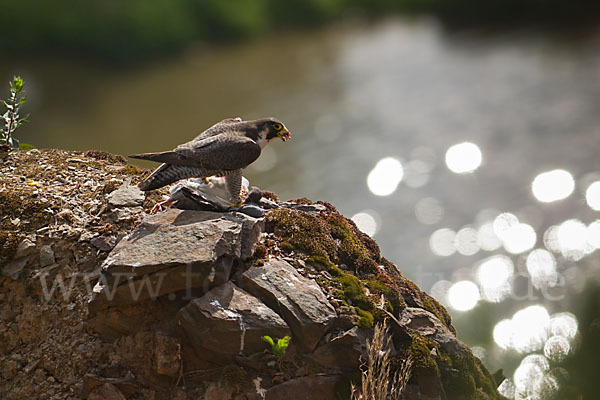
(224, 149)
(159, 206)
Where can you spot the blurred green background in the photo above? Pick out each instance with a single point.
(376, 94)
(126, 31)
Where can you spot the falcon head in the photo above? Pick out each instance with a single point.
(271, 128)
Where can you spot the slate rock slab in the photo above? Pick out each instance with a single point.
(298, 300)
(173, 251)
(126, 196)
(428, 325)
(227, 321)
(343, 352)
(182, 237)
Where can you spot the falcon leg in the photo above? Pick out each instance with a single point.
(159, 206)
(234, 187)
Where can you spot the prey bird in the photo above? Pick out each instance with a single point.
(224, 149)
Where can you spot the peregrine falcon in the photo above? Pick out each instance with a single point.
(224, 149)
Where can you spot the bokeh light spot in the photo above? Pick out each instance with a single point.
(529, 377)
(466, 241)
(385, 176)
(429, 211)
(487, 238)
(503, 333)
(439, 291)
(553, 185)
(572, 238)
(494, 275)
(551, 239)
(503, 223)
(441, 242)
(463, 158)
(564, 324)
(367, 221)
(463, 295)
(416, 173)
(592, 196)
(530, 328)
(519, 238)
(507, 389)
(557, 348)
(541, 266)
(593, 234)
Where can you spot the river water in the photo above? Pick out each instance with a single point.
(374, 109)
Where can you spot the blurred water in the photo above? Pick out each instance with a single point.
(374, 110)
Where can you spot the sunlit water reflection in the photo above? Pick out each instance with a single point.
(472, 158)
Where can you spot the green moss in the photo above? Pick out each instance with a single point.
(286, 246)
(353, 290)
(303, 231)
(26, 146)
(133, 170)
(393, 301)
(352, 252)
(440, 312)
(365, 319)
(467, 378)
(260, 251)
(420, 351)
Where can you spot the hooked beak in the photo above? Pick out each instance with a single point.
(285, 135)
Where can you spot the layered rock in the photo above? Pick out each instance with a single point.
(184, 299)
(228, 321)
(300, 301)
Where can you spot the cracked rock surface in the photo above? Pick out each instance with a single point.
(100, 300)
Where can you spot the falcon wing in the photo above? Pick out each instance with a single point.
(217, 128)
(222, 153)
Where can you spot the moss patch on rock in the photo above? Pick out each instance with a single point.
(352, 260)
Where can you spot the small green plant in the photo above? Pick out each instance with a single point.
(278, 348)
(12, 119)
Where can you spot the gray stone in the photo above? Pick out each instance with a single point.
(126, 196)
(26, 248)
(126, 288)
(14, 268)
(227, 321)
(182, 237)
(46, 256)
(428, 325)
(298, 300)
(173, 251)
(317, 387)
(252, 210)
(343, 352)
(104, 242)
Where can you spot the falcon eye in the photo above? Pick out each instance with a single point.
(277, 126)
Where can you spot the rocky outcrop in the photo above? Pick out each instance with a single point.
(300, 301)
(101, 300)
(228, 321)
(175, 251)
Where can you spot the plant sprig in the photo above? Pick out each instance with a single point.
(278, 348)
(12, 119)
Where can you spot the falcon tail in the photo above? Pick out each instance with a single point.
(167, 174)
(164, 157)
